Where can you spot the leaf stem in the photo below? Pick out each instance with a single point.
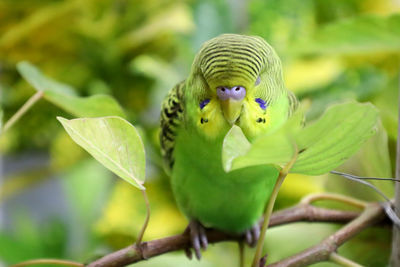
(270, 206)
(28, 104)
(146, 221)
(50, 262)
(336, 197)
(342, 261)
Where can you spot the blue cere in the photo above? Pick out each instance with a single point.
(204, 103)
(262, 103)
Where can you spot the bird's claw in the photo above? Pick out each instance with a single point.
(252, 235)
(198, 239)
(263, 261)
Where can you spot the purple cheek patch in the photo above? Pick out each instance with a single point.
(204, 103)
(262, 103)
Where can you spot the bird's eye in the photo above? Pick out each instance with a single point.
(223, 93)
(262, 103)
(257, 81)
(238, 92)
(204, 103)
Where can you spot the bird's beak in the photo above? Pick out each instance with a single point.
(231, 109)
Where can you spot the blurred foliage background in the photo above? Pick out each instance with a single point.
(56, 201)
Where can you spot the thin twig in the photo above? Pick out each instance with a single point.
(366, 178)
(299, 213)
(388, 205)
(342, 261)
(391, 213)
(146, 221)
(336, 197)
(268, 211)
(49, 262)
(267, 214)
(351, 177)
(28, 104)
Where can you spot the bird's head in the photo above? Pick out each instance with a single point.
(234, 78)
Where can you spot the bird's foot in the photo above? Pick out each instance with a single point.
(198, 238)
(252, 235)
(263, 261)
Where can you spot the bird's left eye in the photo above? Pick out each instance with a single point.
(257, 81)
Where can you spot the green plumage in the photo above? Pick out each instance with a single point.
(193, 127)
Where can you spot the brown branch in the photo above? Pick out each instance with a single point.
(372, 214)
(299, 213)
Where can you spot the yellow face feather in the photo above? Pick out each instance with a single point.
(211, 121)
(253, 119)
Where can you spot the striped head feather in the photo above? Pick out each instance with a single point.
(236, 79)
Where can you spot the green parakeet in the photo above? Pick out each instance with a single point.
(234, 79)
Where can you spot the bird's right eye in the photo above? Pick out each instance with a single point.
(257, 81)
(223, 93)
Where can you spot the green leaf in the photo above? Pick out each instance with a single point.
(273, 149)
(372, 160)
(64, 95)
(337, 135)
(114, 142)
(235, 144)
(323, 145)
(359, 35)
(276, 148)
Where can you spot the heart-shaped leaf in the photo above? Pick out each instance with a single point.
(114, 142)
(322, 146)
(64, 96)
(337, 135)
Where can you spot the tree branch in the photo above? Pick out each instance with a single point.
(299, 213)
(372, 214)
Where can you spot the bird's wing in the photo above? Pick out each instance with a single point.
(171, 118)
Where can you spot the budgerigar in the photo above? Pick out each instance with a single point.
(234, 79)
